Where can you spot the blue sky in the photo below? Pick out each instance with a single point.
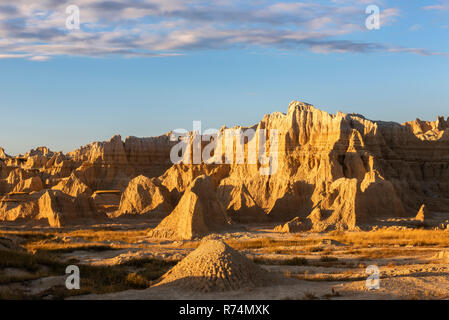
(145, 67)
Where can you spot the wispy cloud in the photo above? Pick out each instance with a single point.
(415, 27)
(36, 30)
(440, 6)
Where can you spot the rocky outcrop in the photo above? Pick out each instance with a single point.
(3, 155)
(52, 206)
(355, 170)
(197, 214)
(32, 184)
(112, 164)
(423, 214)
(73, 186)
(145, 196)
(215, 266)
(429, 130)
(343, 170)
(295, 225)
(107, 201)
(59, 166)
(56, 207)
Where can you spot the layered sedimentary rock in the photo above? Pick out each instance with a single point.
(145, 196)
(198, 213)
(423, 214)
(353, 169)
(114, 163)
(29, 185)
(56, 207)
(332, 170)
(73, 186)
(3, 155)
(53, 206)
(295, 225)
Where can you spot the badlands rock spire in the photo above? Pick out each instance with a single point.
(351, 170)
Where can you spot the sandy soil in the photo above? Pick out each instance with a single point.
(332, 269)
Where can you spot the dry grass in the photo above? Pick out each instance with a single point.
(295, 261)
(90, 235)
(270, 243)
(381, 253)
(418, 237)
(128, 236)
(67, 247)
(29, 262)
(95, 279)
(137, 281)
(326, 277)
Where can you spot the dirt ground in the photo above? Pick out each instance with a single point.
(329, 265)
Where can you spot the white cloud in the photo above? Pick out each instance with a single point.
(39, 58)
(441, 6)
(415, 27)
(36, 30)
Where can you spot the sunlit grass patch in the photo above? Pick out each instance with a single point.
(270, 243)
(295, 261)
(27, 261)
(57, 248)
(127, 236)
(419, 237)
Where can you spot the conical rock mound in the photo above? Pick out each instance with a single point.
(423, 214)
(197, 214)
(214, 266)
(33, 184)
(3, 155)
(143, 196)
(73, 186)
(295, 225)
(57, 207)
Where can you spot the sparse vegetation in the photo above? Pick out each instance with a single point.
(137, 281)
(416, 237)
(270, 243)
(29, 262)
(328, 259)
(306, 258)
(95, 279)
(295, 261)
(310, 296)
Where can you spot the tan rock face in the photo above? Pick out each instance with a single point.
(112, 164)
(295, 225)
(53, 206)
(423, 214)
(197, 214)
(73, 186)
(3, 155)
(32, 184)
(348, 169)
(56, 207)
(59, 166)
(145, 196)
(353, 169)
(12, 209)
(429, 130)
